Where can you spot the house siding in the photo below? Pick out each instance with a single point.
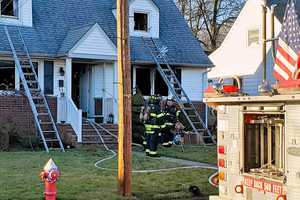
(57, 65)
(193, 81)
(250, 83)
(89, 44)
(26, 12)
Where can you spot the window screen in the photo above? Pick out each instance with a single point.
(48, 77)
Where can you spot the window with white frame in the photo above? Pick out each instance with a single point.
(9, 8)
(253, 37)
(141, 22)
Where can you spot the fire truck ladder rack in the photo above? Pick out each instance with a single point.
(42, 115)
(187, 107)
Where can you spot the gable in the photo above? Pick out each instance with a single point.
(235, 57)
(95, 44)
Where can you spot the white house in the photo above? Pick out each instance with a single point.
(240, 54)
(73, 46)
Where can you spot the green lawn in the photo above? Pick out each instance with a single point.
(19, 177)
(195, 153)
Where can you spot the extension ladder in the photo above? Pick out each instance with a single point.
(42, 115)
(187, 107)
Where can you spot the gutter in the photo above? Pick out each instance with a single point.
(137, 62)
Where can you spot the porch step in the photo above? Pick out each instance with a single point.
(90, 135)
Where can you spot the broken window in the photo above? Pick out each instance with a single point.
(264, 144)
(143, 80)
(161, 87)
(7, 75)
(140, 22)
(9, 8)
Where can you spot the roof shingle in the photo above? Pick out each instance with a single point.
(59, 24)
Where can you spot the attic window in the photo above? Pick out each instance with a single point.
(9, 8)
(253, 37)
(140, 22)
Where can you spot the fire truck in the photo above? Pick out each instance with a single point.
(259, 136)
(258, 147)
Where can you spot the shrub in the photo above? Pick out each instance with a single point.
(7, 134)
(28, 140)
(4, 140)
(66, 138)
(137, 127)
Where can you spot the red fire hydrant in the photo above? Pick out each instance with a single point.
(49, 176)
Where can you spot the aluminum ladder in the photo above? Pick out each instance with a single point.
(42, 115)
(159, 54)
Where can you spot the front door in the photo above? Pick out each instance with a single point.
(81, 87)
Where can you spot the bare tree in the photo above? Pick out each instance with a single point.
(210, 20)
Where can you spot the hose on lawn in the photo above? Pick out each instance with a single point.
(114, 154)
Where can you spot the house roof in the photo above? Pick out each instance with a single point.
(281, 6)
(58, 25)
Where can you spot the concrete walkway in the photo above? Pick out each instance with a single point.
(189, 163)
(184, 162)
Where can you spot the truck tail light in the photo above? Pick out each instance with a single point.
(281, 197)
(222, 176)
(221, 149)
(239, 189)
(221, 163)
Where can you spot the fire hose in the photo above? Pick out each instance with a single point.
(114, 154)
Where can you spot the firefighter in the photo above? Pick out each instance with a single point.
(152, 127)
(170, 117)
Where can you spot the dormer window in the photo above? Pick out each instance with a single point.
(141, 22)
(9, 8)
(144, 19)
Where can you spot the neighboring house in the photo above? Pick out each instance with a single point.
(240, 54)
(73, 46)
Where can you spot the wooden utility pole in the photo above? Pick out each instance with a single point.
(124, 100)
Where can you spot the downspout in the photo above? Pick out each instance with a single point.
(273, 30)
(265, 88)
(203, 86)
(264, 41)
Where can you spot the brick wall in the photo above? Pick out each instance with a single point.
(16, 108)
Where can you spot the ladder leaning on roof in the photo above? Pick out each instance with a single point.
(180, 96)
(40, 108)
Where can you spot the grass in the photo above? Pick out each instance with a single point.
(80, 180)
(195, 153)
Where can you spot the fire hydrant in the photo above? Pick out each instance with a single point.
(49, 176)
